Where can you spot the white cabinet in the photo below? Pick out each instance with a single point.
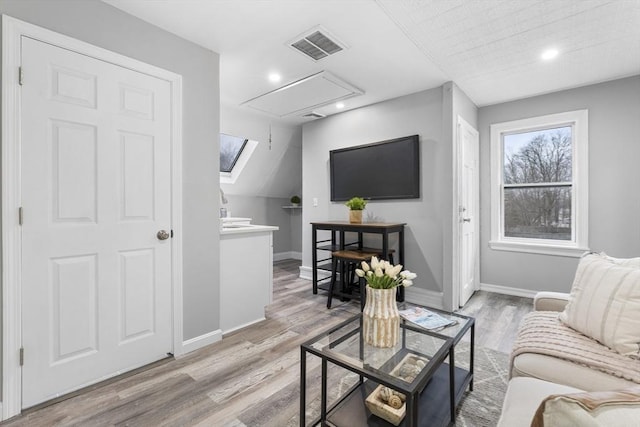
(246, 276)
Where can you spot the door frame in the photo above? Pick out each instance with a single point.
(457, 215)
(12, 32)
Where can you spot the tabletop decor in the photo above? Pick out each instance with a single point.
(389, 404)
(381, 320)
(356, 205)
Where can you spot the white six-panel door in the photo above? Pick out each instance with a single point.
(96, 189)
(469, 195)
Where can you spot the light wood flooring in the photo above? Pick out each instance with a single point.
(251, 377)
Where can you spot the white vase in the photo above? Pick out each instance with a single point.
(380, 318)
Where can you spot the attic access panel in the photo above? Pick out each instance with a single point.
(304, 95)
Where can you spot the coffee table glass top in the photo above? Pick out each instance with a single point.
(408, 365)
(455, 331)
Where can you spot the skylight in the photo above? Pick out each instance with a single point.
(230, 149)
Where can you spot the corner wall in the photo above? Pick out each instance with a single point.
(455, 104)
(614, 200)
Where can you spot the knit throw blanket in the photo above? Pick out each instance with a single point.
(543, 333)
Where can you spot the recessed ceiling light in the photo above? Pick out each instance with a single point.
(549, 54)
(340, 105)
(275, 77)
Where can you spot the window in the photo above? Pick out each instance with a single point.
(230, 149)
(234, 156)
(539, 185)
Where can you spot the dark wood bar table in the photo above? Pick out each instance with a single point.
(337, 241)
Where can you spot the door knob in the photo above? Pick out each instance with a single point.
(163, 235)
(466, 219)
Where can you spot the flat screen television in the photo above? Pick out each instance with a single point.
(382, 170)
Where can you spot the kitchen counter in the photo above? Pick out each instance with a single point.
(239, 225)
(246, 272)
(250, 228)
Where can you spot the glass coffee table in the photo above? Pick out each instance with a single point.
(431, 397)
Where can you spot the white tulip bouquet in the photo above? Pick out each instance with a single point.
(382, 275)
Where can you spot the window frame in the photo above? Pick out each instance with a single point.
(578, 120)
(240, 162)
(238, 154)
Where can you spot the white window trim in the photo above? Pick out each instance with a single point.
(247, 151)
(580, 185)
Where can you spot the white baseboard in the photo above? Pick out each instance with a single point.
(506, 290)
(244, 325)
(201, 341)
(424, 297)
(307, 273)
(281, 256)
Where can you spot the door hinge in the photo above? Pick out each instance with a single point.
(20, 215)
(21, 356)
(20, 76)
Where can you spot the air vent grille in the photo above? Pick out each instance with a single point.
(316, 44)
(309, 49)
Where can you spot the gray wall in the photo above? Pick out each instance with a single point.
(97, 23)
(426, 232)
(272, 175)
(614, 174)
(274, 169)
(269, 211)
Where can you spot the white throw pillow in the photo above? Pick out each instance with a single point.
(604, 303)
(627, 262)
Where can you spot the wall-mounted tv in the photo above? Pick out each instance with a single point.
(382, 170)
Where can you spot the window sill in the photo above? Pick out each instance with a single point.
(534, 248)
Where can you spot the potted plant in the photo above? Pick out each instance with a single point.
(381, 320)
(356, 206)
(295, 201)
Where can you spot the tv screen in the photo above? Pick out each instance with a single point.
(382, 170)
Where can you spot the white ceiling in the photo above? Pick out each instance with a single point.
(490, 48)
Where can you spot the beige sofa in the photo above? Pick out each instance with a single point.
(536, 376)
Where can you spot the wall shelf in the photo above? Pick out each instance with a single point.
(292, 207)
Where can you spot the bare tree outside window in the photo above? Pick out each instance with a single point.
(537, 184)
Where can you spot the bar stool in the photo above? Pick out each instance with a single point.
(352, 260)
(378, 252)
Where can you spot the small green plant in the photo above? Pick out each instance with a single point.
(356, 203)
(295, 200)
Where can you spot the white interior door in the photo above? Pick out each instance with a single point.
(96, 188)
(469, 197)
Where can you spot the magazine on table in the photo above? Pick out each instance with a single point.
(426, 319)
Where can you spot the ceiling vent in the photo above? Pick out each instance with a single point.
(304, 95)
(317, 43)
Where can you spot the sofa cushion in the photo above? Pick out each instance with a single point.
(541, 332)
(590, 409)
(560, 371)
(523, 398)
(605, 302)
